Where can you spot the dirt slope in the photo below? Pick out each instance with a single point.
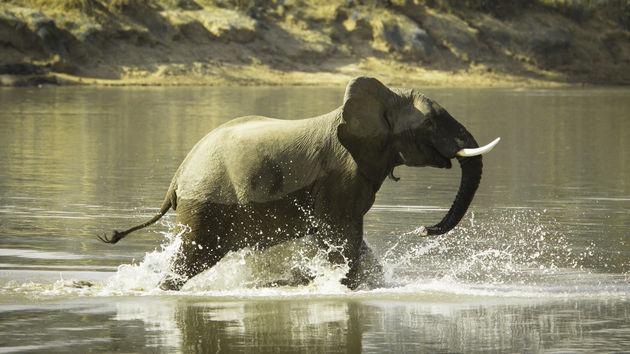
(179, 42)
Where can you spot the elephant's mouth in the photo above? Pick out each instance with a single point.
(433, 158)
(442, 162)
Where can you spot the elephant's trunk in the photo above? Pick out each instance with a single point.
(471, 176)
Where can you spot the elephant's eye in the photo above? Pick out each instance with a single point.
(425, 123)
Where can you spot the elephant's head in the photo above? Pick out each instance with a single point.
(383, 128)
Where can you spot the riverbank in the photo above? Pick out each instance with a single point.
(249, 75)
(133, 42)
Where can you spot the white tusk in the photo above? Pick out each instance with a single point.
(479, 150)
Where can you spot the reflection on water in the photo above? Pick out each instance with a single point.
(541, 262)
(318, 325)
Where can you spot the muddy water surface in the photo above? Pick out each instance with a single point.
(541, 262)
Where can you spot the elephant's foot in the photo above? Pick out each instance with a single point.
(286, 282)
(364, 280)
(366, 272)
(298, 278)
(171, 283)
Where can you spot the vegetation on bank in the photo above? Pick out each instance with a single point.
(438, 42)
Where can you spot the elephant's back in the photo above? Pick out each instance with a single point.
(248, 159)
(243, 121)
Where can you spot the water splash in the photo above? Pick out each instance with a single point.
(510, 252)
(293, 262)
(241, 271)
(146, 275)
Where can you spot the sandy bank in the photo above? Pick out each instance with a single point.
(134, 42)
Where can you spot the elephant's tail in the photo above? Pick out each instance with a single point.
(170, 201)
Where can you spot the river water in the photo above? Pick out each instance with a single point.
(541, 262)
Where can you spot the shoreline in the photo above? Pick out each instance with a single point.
(256, 76)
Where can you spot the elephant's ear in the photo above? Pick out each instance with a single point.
(365, 131)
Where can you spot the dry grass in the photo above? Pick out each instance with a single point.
(88, 7)
(577, 10)
(241, 5)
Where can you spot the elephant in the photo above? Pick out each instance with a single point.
(257, 182)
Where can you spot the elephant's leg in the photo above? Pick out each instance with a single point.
(342, 250)
(199, 249)
(191, 259)
(366, 271)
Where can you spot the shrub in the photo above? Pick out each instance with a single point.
(577, 10)
(88, 7)
(499, 8)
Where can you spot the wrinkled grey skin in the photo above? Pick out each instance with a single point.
(258, 181)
